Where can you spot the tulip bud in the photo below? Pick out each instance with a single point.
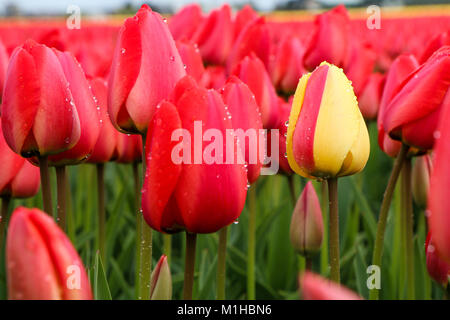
(314, 287)
(306, 224)
(327, 136)
(145, 68)
(4, 58)
(421, 173)
(437, 268)
(161, 283)
(285, 109)
(41, 262)
(440, 40)
(192, 59)
(243, 17)
(369, 99)
(39, 116)
(214, 77)
(129, 148)
(185, 22)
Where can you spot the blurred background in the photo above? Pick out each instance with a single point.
(103, 7)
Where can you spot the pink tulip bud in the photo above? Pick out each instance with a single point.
(41, 262)
(314, 287)
(161, 283)
(306, 223)
(421, 173)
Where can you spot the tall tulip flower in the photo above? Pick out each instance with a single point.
(314, 287)
(330, 39)
(41, 262)
(400, 68)
(145, 69)
(412, 115)
(438, 205)
(327, 137)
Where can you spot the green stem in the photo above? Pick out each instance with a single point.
(167, 242)
(324, 207)
(137, 193)
(251, 244)
(61, 183)
(221, 263)
(146, 246)
(101, 211)
(189, 265)
(45, 185)
(409, 221)
(334, 230)
(384, 210)
(292, 189)
(3, 216)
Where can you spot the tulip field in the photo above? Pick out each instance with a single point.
(226, 155)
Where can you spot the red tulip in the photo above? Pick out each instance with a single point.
(18, 177)
(4, 59)
(369, 99)
(243, 17)
(400, 68)
(39, 116)
(252, 71)
(245, 115)
(438, 269)
(192, 59)
(413, 113)
(306, 231)
(287, 67)
(185, 22)
(285, 110)
(438, 204)
(440, 40)
(107, 141)
(359, 65)
(330, 39)
(214, 35)
(129, 148)
(314, 287)
(41, 262)
(214, 77)
(183, 188)
(87, 109)
(145, 69)
(254, 38)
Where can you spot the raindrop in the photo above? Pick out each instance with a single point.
(172, 58)
(123, 50)
(184, 66)
(236, 221)
(437, 134)
(165, 20)
(286, 123)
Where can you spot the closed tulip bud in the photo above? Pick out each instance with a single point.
(251, 70)
(18, 177)
(437, 268)
(327, 136)
(438, 204)
(86, 104)
(190, 186)
(39, 116)
(214, 35)
(440, 40)
(421, 173)
(285, 109)
(360, 64)
(129, 148)
(192, 59)
(400, 68)
(185, 22)
(107, 140)
(245, 115)
(314, 287)
(306, 224)
(41, 262)
(145, 68)
(330, 39)
(369, 99)
(413, 114)
(4, 59)
(161, 281)
(243, 17)
(254, 38)
(214, 77)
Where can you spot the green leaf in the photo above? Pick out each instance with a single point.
(101, 287)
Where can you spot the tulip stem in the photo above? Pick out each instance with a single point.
(384, 210)
(45, 185)
(251, 244)
(189, 265)
(292, 189)
(61, 183)
(324, 207)
(3, 216)
(137, 198)
(334, 230)
(221, 263)
(409, 222)
(101, 211)
(145, 245)
(308, 263)
(167, 242)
